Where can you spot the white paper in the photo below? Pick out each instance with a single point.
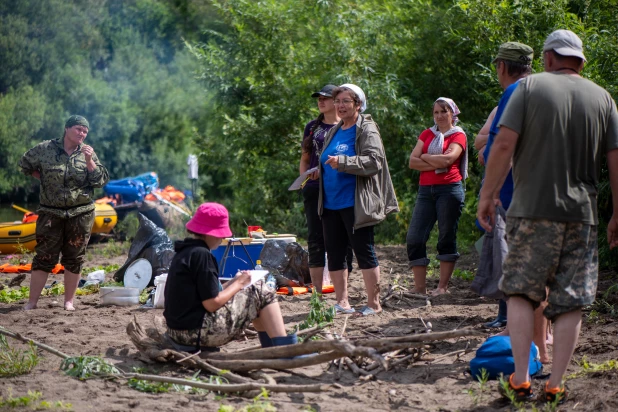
(256, 275)
(300, 179)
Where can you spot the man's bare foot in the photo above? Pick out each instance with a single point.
(545, 359)
(30, 306)
(420, 291)
(439, 291)
(69, 306)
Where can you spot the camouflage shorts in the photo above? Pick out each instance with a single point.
(55, 235)
(562, 256)
(228, 321)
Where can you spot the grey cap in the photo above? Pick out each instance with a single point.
(565, 43)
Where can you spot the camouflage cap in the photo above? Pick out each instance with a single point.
(76, 120)
(515, 52)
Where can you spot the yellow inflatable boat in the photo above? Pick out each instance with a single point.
(17, 236)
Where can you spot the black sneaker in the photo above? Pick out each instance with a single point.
(552, 394)
(521, 393)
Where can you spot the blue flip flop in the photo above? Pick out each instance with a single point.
(340, 309)
(366, 311)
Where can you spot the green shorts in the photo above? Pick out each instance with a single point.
(55, 235)
(560, 255)
(229, 321)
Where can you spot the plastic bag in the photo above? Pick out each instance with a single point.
(159, 297)
(94, 278)
(151, 243)
(288, 262)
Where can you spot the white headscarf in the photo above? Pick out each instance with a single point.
(359, 92)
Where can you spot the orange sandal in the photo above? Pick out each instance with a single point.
(552, 394)
(523, 392)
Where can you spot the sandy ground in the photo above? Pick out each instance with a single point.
(422, 386)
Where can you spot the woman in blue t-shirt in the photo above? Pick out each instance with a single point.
(356, 194)
(313, 142)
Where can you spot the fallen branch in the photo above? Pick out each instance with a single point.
(227, 388)
(43, 346)
(287, 357)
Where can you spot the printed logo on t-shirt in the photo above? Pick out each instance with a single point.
(341, 148)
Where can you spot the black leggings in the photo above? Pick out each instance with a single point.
(315, 238)
(339, 233)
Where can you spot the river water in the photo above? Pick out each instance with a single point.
(8, 214)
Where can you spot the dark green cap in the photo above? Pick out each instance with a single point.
(76, 120)
(515, 52)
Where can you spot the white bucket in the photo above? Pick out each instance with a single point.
(119, 296)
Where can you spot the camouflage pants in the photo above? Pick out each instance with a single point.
(228, 321)
(560, 255)
(55, 235)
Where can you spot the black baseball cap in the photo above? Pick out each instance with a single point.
(326, 91)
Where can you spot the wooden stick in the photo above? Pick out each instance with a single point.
(228, 388)
(416, 296)
(354, 367)
(43, 346)
(245, 365)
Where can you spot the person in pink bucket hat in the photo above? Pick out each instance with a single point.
(201, 313)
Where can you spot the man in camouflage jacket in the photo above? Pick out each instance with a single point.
(69, 171)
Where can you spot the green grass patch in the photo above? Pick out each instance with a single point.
(319, 312)
(14, 295)
(466, 275)
(31, 400)
(15, 362)
(109, 268)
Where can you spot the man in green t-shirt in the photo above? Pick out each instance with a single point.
(556, 127)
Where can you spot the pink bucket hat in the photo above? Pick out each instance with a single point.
(210, 219)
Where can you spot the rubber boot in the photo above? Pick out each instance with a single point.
(265, 340)
(285, 340)
(500, 320)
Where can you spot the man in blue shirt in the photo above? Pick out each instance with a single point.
(512, 63)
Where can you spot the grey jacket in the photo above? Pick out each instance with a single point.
(374, 197)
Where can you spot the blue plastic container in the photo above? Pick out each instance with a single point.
(234, 264)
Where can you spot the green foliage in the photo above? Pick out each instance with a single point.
(30, 400)
(148, 386)
(87, 367)
(127, 71)
(466, 275)
(14, 362)
(127, 227)
(481, 387)
(319, 312)
(263, 63)
(111, 283)
(14, 295)
(588, 368)
(260, 404)
(22, 401)
(109, 268)
(143, 296)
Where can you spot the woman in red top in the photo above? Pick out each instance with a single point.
(441, 157)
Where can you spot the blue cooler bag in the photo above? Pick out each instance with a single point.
(496, 356)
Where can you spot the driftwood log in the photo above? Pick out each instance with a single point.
(155, 346)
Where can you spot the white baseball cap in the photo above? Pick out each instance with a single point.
(565, 43)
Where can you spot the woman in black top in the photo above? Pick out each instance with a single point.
(199, 311)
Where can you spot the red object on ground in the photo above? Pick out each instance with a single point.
(8, 268)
